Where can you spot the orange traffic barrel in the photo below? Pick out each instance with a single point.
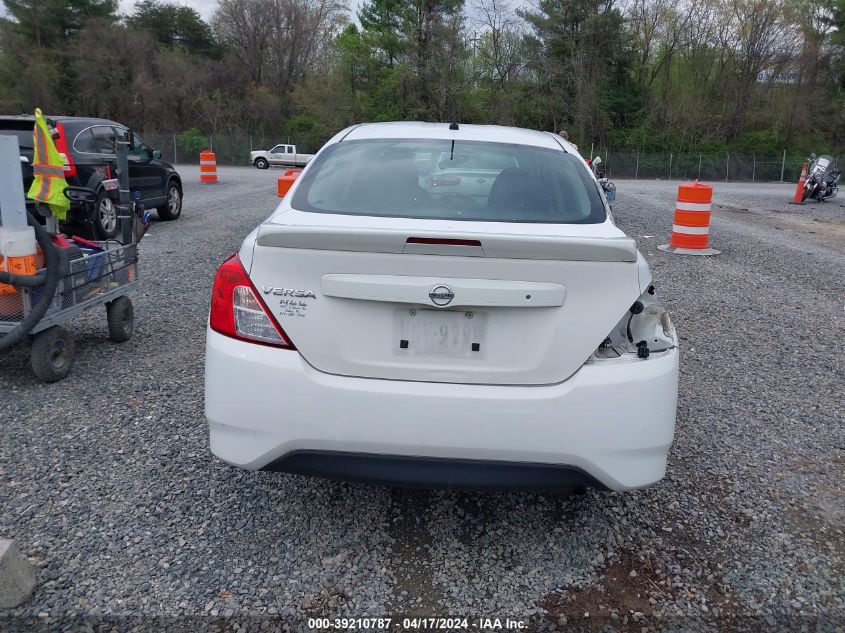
(208, 166)
(798, 198)
(286, 181)
(691, 226)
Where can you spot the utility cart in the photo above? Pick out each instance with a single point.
(103, 275)
(71, 274)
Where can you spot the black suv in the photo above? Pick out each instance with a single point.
(88, 147)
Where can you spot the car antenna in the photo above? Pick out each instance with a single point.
(453, 126)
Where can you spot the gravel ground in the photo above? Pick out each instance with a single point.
(110, 489)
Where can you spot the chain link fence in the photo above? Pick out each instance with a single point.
(706, 167)
(231, 149)
(234, 149)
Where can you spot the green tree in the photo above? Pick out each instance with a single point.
(37, 37)
(175, 25)
(374, 83)
(751, 76)
(193, 141)
(580, 62)
(382, 20)
(47, 23)
(433, 30)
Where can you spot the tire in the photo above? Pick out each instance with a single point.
(121, 318)
(52, 354)
(106, 224)
(172, 209)
(261, 163)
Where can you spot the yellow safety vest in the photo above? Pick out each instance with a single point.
(48, 167)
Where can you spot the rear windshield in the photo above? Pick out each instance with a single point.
(446, 180)
(24, 135)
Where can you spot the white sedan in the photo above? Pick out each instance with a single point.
(443, 307)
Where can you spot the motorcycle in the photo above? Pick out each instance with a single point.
(822, 179)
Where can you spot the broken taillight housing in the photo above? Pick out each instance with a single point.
(644, 329)
(238, 311)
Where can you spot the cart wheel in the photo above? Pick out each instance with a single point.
(121, 318)
(52, 354)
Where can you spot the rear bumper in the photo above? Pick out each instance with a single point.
(432, 472)
(612, 421)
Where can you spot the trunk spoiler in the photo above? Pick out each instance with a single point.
(545, 247)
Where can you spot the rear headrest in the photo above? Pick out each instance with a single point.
(514, 190)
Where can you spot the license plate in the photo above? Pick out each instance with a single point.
(445, 333)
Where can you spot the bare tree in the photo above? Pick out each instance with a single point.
(500, 41)
(658, 27)
(277, 42)
(756, 36)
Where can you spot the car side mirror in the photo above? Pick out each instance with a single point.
(156, 154)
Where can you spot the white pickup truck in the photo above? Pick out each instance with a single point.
(283, 155)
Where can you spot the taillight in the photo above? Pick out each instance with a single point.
(238, 311)
(61, 147)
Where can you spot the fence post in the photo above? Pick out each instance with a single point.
(175, 159)
(699, 167)
(727, 166)
(783, 166)
(670, 165)
(591, 152)
(637, 168)
(754, 167)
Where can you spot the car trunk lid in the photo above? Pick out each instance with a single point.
(428, 302)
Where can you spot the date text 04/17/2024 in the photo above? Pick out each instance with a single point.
(416, 624)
